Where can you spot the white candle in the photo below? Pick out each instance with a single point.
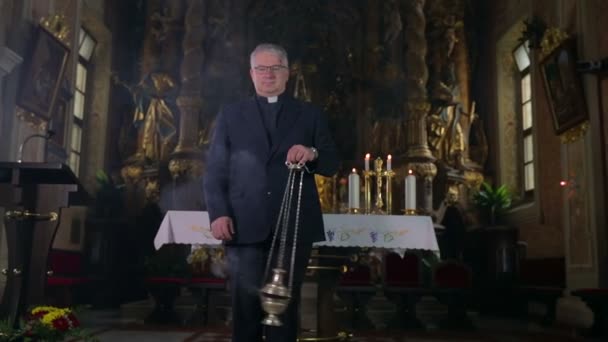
(389, 164)
(410, 191)
(353, 190)
(367, 156)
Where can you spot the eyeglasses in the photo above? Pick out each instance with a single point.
(266, 68)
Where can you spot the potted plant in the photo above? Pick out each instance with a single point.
(492, 201)
(108, 199)
(498, 239)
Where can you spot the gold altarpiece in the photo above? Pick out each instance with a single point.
(401, 86)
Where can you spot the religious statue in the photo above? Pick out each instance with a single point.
(153, 118)
(441, 64)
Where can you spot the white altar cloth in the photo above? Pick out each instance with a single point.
(341, 230)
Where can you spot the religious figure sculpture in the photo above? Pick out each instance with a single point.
(441, 64)
(153, 118)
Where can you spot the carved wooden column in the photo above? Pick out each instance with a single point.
(418, 155)
(186, 159)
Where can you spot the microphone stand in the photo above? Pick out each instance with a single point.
(49, 133)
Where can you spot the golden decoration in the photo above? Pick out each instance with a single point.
(552, 38)
(132, 173)
(32, 120)
(326, 188)
(473, 179)
(152, 190)
(58, 26)
(191, 168)
(574, 133)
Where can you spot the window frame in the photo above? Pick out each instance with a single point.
(77, 121)
(526, 195)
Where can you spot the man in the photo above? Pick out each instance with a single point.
(245, 181)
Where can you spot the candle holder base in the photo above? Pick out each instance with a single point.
(410, 211)
(355, 211)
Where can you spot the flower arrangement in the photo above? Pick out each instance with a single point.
(46, 323)
(197, 259)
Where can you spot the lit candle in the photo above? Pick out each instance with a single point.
(410, 191)
(353, 190)
(367, 156)
(389, 165)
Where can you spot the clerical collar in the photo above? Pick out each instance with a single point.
(270, 99)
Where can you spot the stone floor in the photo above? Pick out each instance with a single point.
(127, 324)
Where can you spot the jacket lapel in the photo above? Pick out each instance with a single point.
(290, 114)
(253, 118)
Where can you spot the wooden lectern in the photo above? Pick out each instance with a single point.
(33, 195)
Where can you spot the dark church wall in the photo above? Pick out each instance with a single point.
(564, 221)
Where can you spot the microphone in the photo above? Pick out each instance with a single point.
(592, 66)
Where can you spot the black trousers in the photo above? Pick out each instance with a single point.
(247, 264)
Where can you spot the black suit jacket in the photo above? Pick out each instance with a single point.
(245, 176)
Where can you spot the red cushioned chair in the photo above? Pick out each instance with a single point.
(202, 287)
(164, 290)
(65, 276)
(452, 285)
(356, 287)
(404, 286)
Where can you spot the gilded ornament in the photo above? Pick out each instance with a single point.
(132, 173)
(553, 38)
(473, 179)
(574, 133)
(58, 27)
(32, 120)
(152, 190)
(185, 167)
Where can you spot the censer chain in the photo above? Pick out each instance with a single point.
(283, 223)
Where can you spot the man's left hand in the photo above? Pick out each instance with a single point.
(300, 154)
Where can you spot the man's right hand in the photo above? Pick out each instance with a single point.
(222, 228)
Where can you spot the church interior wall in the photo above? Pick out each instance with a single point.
(553, 225)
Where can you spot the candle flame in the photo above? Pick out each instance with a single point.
(367, 156)
(410, 172)
(354, 170)
(563, 183)
(389, 157)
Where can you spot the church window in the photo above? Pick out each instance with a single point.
(86, 46)
(522, 59)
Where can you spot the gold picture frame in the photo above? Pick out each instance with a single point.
(42, 75)
(563, 86)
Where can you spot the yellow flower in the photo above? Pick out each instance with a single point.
(43, 308)
(53, 315)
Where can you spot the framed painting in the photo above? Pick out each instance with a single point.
(564, 87)
(42, 74)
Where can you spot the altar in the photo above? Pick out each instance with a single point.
(393, 232)
(341, 230)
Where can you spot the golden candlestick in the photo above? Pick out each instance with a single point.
(389, 174)
(367, 196)
(378, 172)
